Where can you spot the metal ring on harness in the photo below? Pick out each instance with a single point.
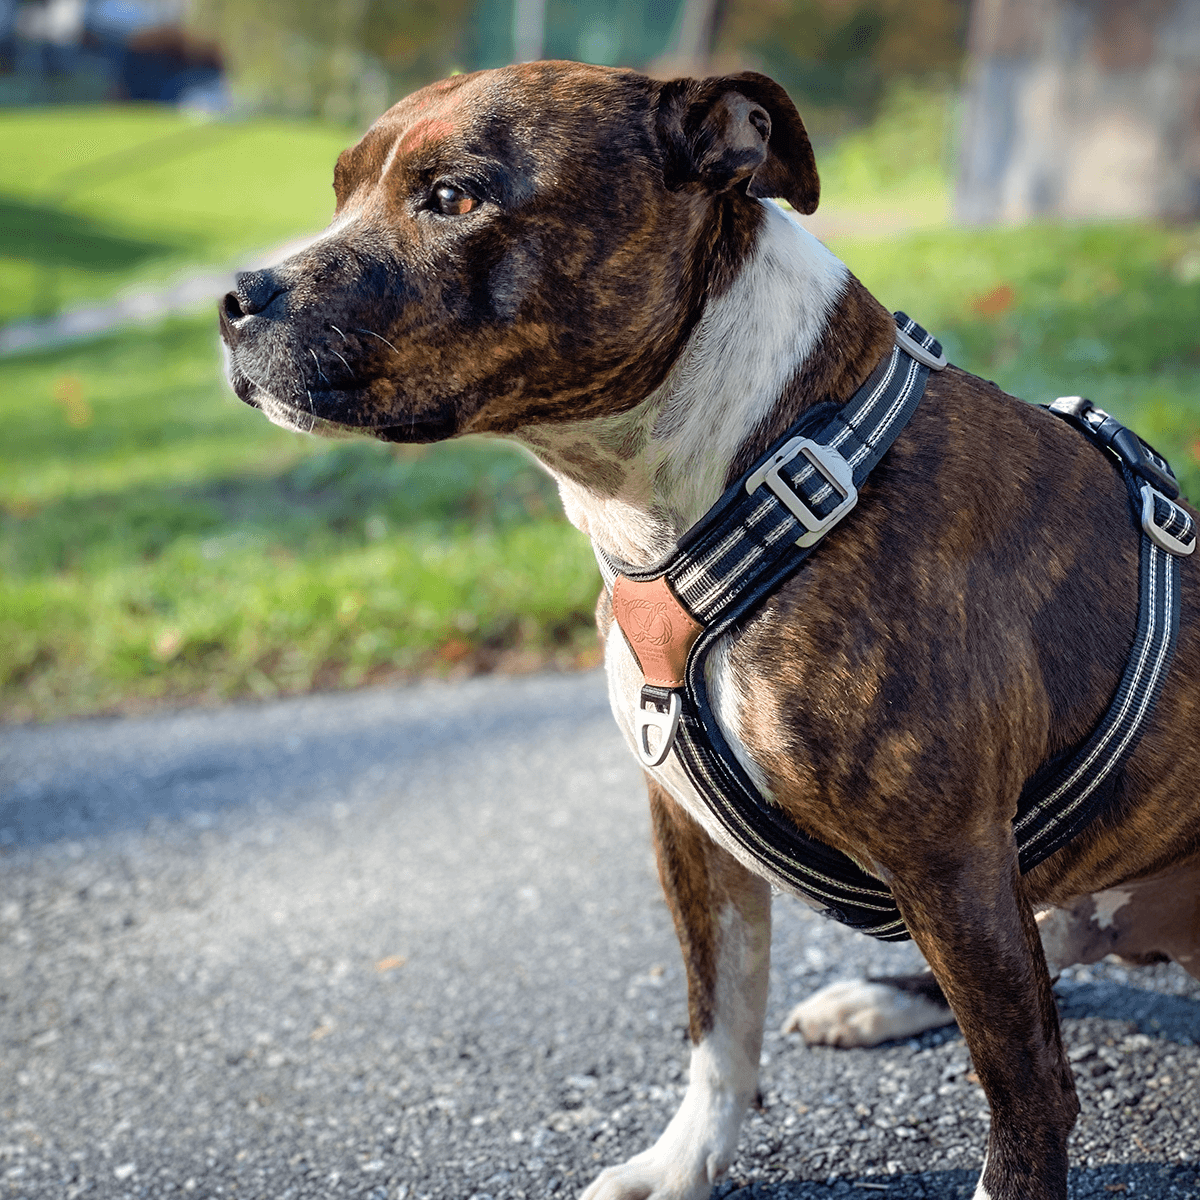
(731, 560)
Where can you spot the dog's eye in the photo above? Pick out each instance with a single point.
(452, 201)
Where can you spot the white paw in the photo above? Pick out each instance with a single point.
(698, 1144)
(858, 1013)
(652, 1176)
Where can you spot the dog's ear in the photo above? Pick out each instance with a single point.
(737, 130)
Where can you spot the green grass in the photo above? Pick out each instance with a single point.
(1111, 312)
(93, 200)
(1107, 311)
(162, 543)
(898, 171)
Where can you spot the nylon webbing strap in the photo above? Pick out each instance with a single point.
(1063, 797)
(844, 890)
(726, 564)
(745, 533)
(746, 545)
(1055, 808)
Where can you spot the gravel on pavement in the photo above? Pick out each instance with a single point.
(408, 944)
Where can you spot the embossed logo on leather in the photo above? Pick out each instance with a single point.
(645, 622)
(659, 630)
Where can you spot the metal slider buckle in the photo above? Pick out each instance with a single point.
(829, 464)
(1076, 406)
(1155, 532)
(914, 349)
(649, 716)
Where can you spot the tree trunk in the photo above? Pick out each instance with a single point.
(1081, 108)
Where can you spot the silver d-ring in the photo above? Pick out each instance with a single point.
(667, 724)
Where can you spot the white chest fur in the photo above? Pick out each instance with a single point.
(748, 344)
(624, 689)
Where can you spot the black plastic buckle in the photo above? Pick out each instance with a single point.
(1108, 432)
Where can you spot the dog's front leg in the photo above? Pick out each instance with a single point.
(969, 915)
(723, 918)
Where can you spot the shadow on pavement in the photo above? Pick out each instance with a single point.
(98, 778)
(1158, 1015)
(1173, 1018)
(1151, 1179)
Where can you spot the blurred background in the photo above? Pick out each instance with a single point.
(1022, 176)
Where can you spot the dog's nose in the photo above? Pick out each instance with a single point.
(253, 293)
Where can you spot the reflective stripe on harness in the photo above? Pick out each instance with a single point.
(764, 527)
(1063, 797)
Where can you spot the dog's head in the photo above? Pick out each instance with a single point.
(522, 245)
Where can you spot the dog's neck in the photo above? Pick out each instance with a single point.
(758, 356)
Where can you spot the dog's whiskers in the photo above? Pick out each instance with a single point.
(294, 365)
(338, 332)
(344, 363)
(318, 362)
(372, 333)
(312, 412)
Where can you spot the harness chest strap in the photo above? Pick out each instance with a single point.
(1066, 794)
(763, 528)
(776, 513)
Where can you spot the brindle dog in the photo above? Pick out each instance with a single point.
(583, 260)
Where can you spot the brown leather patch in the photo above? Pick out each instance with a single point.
(659, 630)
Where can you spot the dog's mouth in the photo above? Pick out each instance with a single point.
(275, 380)
(305, 415)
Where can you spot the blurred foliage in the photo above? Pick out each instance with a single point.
(344, 60)
(837, 57)
(907, 147)
(160, 542)
(1105, 311)
(897, 171)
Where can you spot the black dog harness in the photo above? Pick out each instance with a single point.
(764, 527)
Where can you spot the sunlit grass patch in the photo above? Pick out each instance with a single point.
(216, 619)
(898, 172)
(94, 200)
(162, 542)
(1111, 312)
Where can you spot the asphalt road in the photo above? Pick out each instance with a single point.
(408, 944)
